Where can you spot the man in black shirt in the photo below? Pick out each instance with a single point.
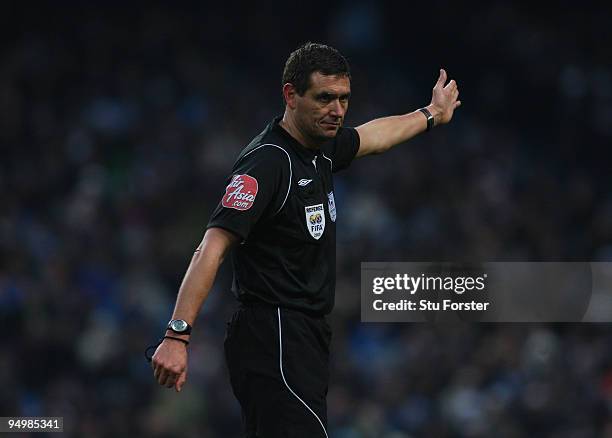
(278, 213)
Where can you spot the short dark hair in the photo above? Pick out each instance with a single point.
(310, 58)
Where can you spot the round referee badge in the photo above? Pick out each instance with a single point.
(315, 220)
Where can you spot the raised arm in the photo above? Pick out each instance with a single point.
(170, 359)
(379, 135)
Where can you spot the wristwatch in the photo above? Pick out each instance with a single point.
(179, 326)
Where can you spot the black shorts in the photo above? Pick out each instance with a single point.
(278, 361)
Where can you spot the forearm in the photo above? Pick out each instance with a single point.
(379, 135)
(196, 285)
(201, 274)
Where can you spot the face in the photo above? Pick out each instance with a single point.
(320, 111)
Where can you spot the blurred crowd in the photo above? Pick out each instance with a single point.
(120, 124)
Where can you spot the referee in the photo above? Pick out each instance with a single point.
(278, 213)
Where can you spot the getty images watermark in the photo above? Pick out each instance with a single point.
(492, 292)
(429, 283)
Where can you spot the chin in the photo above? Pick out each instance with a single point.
(329, 133)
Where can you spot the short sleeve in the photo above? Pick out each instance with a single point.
(256, 189)
(342, 150)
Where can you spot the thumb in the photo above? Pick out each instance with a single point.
(441, 78)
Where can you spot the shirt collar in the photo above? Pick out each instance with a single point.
(306, 154)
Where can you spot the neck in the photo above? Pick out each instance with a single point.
(288, 123)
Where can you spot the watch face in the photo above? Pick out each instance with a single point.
(179, 325)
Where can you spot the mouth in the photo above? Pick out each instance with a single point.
(330, 125)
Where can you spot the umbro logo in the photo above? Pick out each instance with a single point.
(304, 182)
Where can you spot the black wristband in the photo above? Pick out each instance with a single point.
(149, 355)
(430, 119)
(184, 341)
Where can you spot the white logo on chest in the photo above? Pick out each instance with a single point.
(315, 220)
(304, 182)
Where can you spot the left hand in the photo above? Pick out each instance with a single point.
(444, 99)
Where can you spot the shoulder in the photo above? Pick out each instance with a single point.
(265, 153)
(346, 136)
(342, 149)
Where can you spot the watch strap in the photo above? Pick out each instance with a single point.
(430, 118)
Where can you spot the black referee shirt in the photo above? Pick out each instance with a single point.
(280, 200)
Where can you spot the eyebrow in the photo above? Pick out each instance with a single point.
(326, 94)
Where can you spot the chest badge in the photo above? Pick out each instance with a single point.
(332, 206)
(315, 220)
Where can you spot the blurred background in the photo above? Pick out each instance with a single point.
(119, 124)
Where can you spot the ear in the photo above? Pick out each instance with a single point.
(290, 95)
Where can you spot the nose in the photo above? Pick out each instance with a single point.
(337, 108)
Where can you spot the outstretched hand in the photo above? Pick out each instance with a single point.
(444, 99)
